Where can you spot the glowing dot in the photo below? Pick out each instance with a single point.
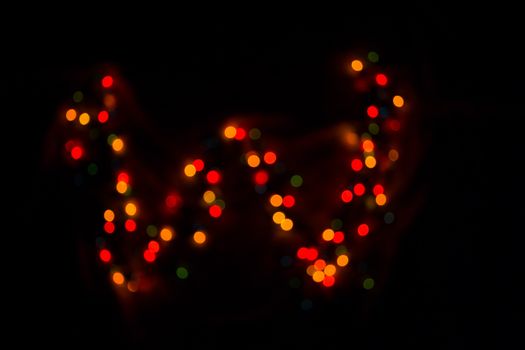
(229, 132)
(110, 101)
(278, 217)
(103, 116)
(378, 189)
(71, 114)
(189, 170)
(320, 264)
(328, 234)
(199, 164)
(302, 253)
(393, 155)
(362, 230)
(123, 176)
(77, 152)
(342, 260)
(122, 187)
(253, 160)
(394, 124)
(166, 234)
(107, 81)
(346, 196)
(255, 134)
(109, 215)
(356, 164)
(288, 201)
(310, 270)
(357, 65)
(261, 177)
(341, 249)
(352, 139)
(368, 283)
(105, 255)
(182, 272)
(370, 162)
(372, 111)
(398, 101)
(131, 209)
(208, 196)
(359, 189)
(318, 276)
(220, 203)
(215, 211)
(276, 200)
(84, 119)
(111, 138)
(381, 199)
(213, 177)
(133, 286)
(117, 145)
(78, 96)
(270, 157)
(199, 237)
(240, 134)
(286, 224)
(172, 201)
(109, 227)
(118, 278)
(373, 128)
(368, 146)
(339, 237)
(330, 270)
(296, 181)
(151, 230)
(154, 246)
(381, 79)
(130, 225)
(336, 224)
(389, 218)
(312, 254)
(373, 56)
(149, 256)
(328, 281)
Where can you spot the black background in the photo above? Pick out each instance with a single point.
(465, 70)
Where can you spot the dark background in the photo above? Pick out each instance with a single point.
(465, 70)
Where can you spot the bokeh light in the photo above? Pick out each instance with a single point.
(199, 237)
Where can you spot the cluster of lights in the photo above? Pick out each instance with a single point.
(323, 259)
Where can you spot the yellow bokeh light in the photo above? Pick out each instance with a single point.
(393, 155)
(117, 145)
(328, 234)
(209, 196)
(357, 65)
(253, 160)
(318, 276)
(381, 199)
(71, 114)
(286, 224)
(199, 237)
(278, 217)
(118, 278)
(166, 234)
(190, 170)
(310, 270)
(370, 162)
(109, 215)
(122, 187)
(330, 270)
(398, 101)
(276, 200)
(342, 260)
(230, 132)
(131, 209)
(84, 119)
